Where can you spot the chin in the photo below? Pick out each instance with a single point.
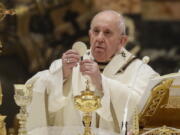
(98, 56)
(98, 59)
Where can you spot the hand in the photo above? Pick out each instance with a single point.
(91, 68)
(69, 60)
(130, 133)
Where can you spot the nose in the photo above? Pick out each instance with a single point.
(100, 37)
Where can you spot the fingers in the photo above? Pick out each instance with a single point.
(88, 67)
(86, 61)
(70, 57)
(91, 68)
(69, 60)
(86, 64)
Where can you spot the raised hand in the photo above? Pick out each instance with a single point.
(91, 68)
(69, 60)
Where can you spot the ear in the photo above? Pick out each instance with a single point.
(123, 41)
(90, 32)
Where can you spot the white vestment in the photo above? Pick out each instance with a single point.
(53, 105)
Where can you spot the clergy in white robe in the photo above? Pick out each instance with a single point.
(121, 82)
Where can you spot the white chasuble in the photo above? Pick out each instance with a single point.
(53, 105)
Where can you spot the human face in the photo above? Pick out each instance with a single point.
(105, 37)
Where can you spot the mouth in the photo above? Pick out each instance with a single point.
(99, 49)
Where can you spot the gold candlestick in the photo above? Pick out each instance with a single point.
(23, 97)
(2, 125)
(87, 102)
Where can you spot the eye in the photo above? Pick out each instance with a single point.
(96, 31)
(107, 32)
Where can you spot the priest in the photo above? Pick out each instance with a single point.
(114, 74)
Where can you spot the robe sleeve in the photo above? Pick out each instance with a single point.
(56, 98)
(37, 109)
(47, 82)
(118, 93)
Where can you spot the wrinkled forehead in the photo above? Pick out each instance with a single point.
(106, 19)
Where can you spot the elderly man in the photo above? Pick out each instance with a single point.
(114, 73)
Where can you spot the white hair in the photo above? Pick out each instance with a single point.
(121, 21)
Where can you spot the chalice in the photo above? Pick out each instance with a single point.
(23, 97)
(87, 102)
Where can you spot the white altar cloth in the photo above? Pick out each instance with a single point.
(68, 131)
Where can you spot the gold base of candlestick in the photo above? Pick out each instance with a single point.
(2, 125)
(22, 117)
(23, 97)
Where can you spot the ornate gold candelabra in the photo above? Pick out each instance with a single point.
(87, 102)
(23, 97)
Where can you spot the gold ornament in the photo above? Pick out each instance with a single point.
(4, 12)
(87, 102)
(23, 97)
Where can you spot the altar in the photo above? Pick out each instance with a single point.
(68, 130)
